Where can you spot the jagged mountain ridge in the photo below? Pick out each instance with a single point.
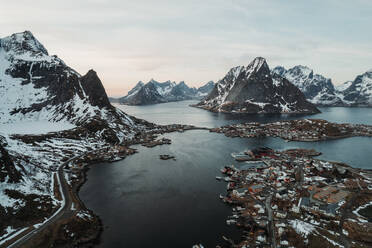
(254, 89)
(316, 88)
(37, 89)
(37, 86)
(52, 89)
(359, 91)
(160, 92)
(321, 91)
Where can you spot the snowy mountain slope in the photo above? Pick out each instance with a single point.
(316, 88)
(359, 91)
(36, 86)
(205, 89)
(343, 86)
(160, 92)
(254, 89)
(65, 114)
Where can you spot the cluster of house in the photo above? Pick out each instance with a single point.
(283, 197)
(297, 130)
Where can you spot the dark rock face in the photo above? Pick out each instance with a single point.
(316, 88)
(359, 91)
(154, 92)
(182, 92)
(94, 89)
(8, 172)
(253, 89)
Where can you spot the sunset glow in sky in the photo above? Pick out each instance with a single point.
(196, 41)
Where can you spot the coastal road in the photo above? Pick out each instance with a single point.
(62, 212)
(270, 221)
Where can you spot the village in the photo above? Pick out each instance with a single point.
(296, 130)
(290, 199)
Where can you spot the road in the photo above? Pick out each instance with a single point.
(62, 212)
(270, 221)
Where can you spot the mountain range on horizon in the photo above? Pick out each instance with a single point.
(154, 92)
(317, 89)
(322, 92)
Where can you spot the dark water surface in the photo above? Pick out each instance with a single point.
(147, 202)
(180, 112)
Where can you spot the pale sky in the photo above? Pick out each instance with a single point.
(126, 41)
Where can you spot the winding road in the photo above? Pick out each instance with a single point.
(63, 212)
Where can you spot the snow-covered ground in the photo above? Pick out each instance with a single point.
(34, 127)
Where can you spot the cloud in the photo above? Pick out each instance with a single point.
(196, 41)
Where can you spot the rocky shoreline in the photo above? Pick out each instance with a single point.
(254, 110)
(79, 226)
(308, 130)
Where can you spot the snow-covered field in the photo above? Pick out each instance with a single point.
(34, 127)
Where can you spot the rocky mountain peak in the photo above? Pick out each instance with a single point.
(160, 92)
(254, 89)
(304, 70)
(258, 65)
(94, 89)
(317, 88)
(359, 91)
(23, 42)
(139, 84)
(280, 70)
(39, 87)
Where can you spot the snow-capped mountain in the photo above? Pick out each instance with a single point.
(316, 88)
(343, 86)
(160, 92)
(359, 91)
(36, 86)
(48, 114)
(204, 90)
(254, 89)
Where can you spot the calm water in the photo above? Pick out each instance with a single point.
(147, 202)
(180, 112)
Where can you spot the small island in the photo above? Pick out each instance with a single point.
(166, 157)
